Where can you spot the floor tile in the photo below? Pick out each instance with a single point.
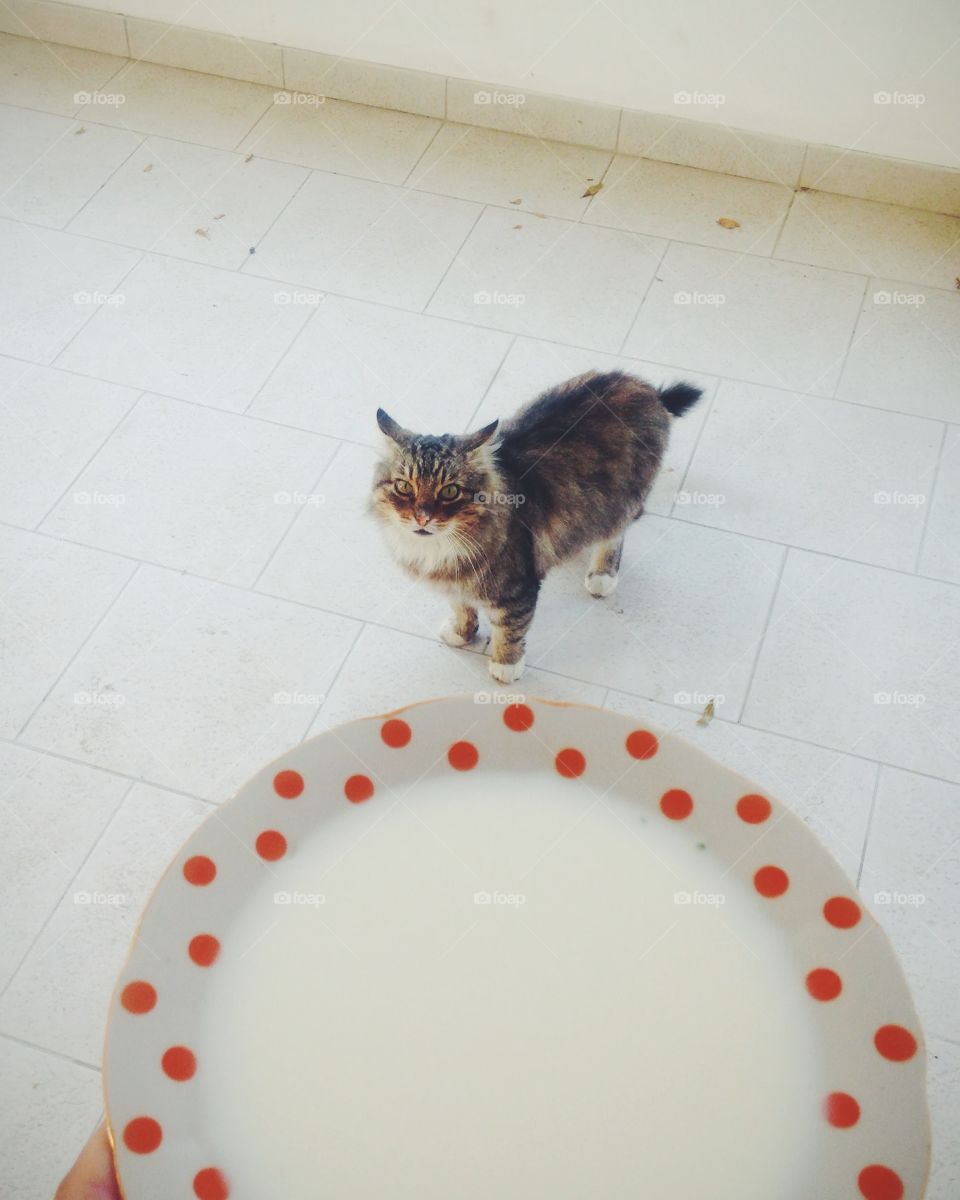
(366, 240)
(863, 660)
(50, 169)
(831, 792)
(533, 366)
(872, 238)
(538, 276)
(350, 358)
(209, 676)
(904, 353)
(943, 1087)
(767, 322)
(911, 875)
(336, 558)
(189, 331)
(44, 633)
(335, 135)
(50, 1107)
(206, 109)
(814, 473)
(53, 282)
(941, 548)
(50, 77)
(51, 813)
(685, 204)
(420, 669)
(50, 425)
(59, 997)
(510, 170)
(685, 619)
(210, 206)
(194, 489)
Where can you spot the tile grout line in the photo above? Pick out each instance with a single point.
(763, 633)
(932, 494)
(308, 732)
(58, 1054)
(696, 446)
(405, 182)
(861, 313)
(867, 831)
(482, 208)
(96, 307)
(646, 293)
(65, 228)
(493, 379)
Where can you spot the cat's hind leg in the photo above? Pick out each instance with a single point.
(460, 628)
(604, 569)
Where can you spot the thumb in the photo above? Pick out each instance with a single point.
(92, 1176)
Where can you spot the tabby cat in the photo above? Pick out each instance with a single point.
(485, 515)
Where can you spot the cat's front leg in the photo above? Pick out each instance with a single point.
(510, 621)
(460, 628)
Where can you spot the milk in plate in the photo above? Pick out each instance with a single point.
(501, 987)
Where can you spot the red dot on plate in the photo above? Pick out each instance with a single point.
(518, 717)
(841, 1110)
(842, 912)
(754, 809)
(209, 1184)
(203, 949)
(271, 845)
(138, 997)
(396, 733)
(463, 756)
(880, 1183)
(771, 881)
(288, 784)
(895, 1043)
(179, 1063)
(570, 763)
(642, 744)
(824, 984)
(199, 870)
(676, 804)
(142, 1135)
(358, 788)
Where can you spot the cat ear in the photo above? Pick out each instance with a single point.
(389, 426)
(473, 441)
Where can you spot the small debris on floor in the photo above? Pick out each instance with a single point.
(518, 226)
(204, 233)
(707, 715)
(519, 200)
(82, 129)
(219, 216)
(543, 217)
(592, 190)
(728, 222)
(148, 167)
(253, 249)
(248, 158)
(956, 281)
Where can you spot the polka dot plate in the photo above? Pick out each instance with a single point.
(547, 816)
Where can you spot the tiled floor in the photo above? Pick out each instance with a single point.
(206, 292)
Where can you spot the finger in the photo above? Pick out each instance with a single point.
(92, 1176)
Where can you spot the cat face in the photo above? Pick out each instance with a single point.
(431, 491)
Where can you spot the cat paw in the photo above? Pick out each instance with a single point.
(506, 672)
(600, 584)
(452, 636)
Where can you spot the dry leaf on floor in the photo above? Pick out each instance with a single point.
(592, 190)
(82, 129)
(219, 216)
(519, 200)
(248, 158)
(518, 226)
(543, 217)
(956, 282)
(148, 167)
(728, 223)
(707, 715)
(203, 233)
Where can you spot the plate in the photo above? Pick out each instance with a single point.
(497, 946)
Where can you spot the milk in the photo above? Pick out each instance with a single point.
(496, 989)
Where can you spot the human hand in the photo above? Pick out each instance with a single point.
(92, 1176)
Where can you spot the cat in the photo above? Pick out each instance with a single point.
(485, 515)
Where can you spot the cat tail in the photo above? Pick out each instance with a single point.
(677, 398)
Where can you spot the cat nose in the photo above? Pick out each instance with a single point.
(422, 517)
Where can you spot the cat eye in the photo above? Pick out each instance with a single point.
(450, 491)
(403, 487)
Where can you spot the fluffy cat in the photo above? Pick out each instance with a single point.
(485, 515)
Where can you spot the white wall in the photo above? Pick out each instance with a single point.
(800, 68)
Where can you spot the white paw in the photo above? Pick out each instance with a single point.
(506, 672)
(449, 634)
(600, 585)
